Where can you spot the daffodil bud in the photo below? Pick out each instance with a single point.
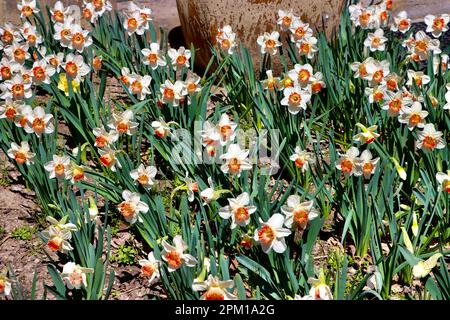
(405, 207)
(401, 172)
(423, 268)
(415, 225)
(205, 270)
(93, 210)
(407, 241)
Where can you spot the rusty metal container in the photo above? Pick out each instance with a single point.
(200, 19)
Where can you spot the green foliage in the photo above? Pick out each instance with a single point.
(23, 233)
(125, 255)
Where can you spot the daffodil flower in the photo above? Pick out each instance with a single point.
(23, 116)
(21, 154)
(236, 160)
(75, 67)
(269, 42)
(150, 268)
(317, 83)
(27, 8)
(401, 22)
(59, 12)
(104, 138)
(80, 39)
(132, 206)
(16, 88)
(74, 275)
(215, 289)
(57, 239)
(63, 31)
(108, 158)
(153, 56)
(377, 71)
(62, 224)
(9, 109)
(367, 135)
(303, 74)
(5, 286)
(319, 290)
(8, 68)
(307, 47)
(413, 116)
(192, 84)
(362, 17)
(180, 58)
(300, 30)
(238, 210)
(76, 173)
(139, 85)
(376, 94)
(133, 23)
(437, 25)
(55, 60)
(211, 137)
(360, 68)
(295, 98)
(172, 92)
(302, 159)
(58, 167)
(226, 39)
(376, 41)
(30, 34)
(41, 72)
(226, 128)
(174, 254)
(347, 162)
(271, 234)
(366, 165)
(123, 123)
(298, 213)
(430, 138)
(8, 35)
(144, 175)
(17, 52)
(394, 102)
(285, 19)
(444, 181)
(161, 128)
(418, 77)
(143, 12)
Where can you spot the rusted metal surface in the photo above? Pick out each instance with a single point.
(200, 19)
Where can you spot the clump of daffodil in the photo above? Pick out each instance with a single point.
(63, 84)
